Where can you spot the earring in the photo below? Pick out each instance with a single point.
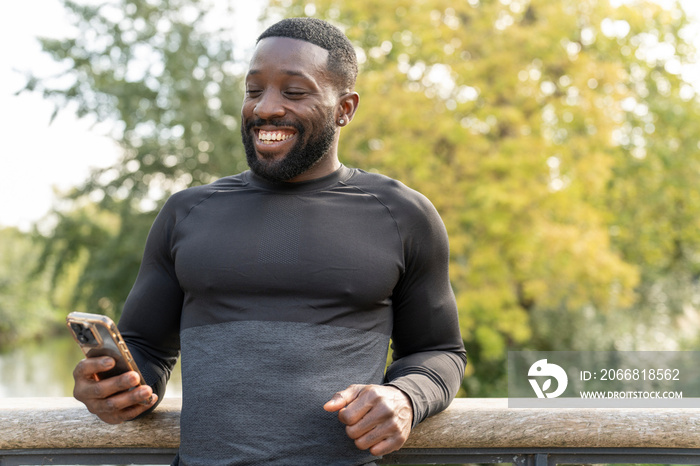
(341, 122)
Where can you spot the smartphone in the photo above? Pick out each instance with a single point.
(97, 336)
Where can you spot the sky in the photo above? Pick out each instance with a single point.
(35, 156)
(38, 159)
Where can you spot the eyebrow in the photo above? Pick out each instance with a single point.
(253, 72)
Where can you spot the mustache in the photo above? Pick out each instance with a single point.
(260, 122)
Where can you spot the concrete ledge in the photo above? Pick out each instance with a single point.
(46, 423)
(489, 423)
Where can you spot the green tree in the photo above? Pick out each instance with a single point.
(25, 307)
(164, 74)
(654, 193)
(556, 139)
(652, 198)
(510, 116)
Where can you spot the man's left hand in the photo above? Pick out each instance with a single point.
(377, 417)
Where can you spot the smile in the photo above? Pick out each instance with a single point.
(271, 137)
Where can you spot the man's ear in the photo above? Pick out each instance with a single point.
(347, 106)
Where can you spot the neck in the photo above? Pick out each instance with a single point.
(327, 165)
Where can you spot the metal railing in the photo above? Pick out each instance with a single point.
(61, 431)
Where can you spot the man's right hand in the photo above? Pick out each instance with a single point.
(110, 399)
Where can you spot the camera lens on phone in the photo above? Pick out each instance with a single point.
(84, 334)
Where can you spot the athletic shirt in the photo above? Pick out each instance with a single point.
(279, 295)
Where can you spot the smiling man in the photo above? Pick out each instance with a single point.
(283, 286)
(291, 134)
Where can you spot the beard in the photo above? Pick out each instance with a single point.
(301, 157)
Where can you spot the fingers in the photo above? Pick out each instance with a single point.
(88, 368)
(113, 400)
(131, 411)
(365, 418)
(377, 417)
(386, 446)
(343, 398)
(356, 413)
(88, 387)
(381, 439)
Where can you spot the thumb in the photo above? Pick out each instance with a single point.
(343, 398)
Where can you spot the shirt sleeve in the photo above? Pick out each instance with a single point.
(428, 352)
(150, 321)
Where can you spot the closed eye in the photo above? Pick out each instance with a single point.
(295, 94)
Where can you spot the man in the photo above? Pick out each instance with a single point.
(283, 285)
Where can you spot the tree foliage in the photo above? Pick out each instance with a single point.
(534, 127)
(164, 74)
(25, 310)
(556, 138)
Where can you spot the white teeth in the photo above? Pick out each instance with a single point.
(271, 136)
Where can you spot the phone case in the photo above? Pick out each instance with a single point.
(97, 336)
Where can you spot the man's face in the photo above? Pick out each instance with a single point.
(288, 114)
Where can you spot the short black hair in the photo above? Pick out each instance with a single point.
(342, 61)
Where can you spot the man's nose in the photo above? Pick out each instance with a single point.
(269, 105)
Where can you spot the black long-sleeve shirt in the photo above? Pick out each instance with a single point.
(278, 295)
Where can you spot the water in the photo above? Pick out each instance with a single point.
(40, 369)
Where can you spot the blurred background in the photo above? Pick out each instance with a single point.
(558, 139)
